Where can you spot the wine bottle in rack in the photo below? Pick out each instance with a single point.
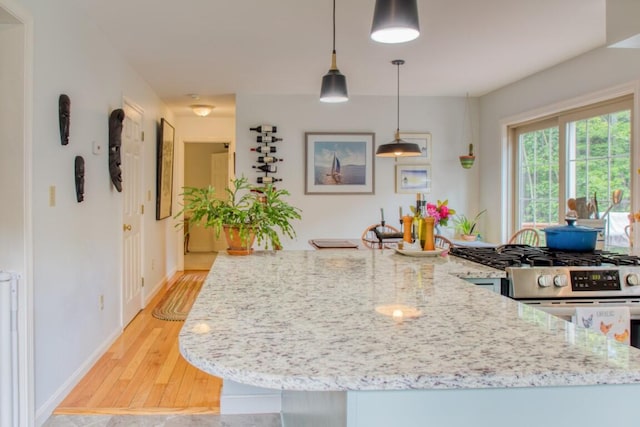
(265, 128)
(268, 167)
(264, 149)
(267, 138)
(268, 179)
(268, 159)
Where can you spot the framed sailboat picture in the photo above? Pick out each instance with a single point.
(339, 163)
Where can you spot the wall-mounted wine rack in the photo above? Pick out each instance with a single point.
(266, 161)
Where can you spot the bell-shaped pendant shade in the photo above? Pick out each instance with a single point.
(395, 21)
(334, 83)
(334, 87)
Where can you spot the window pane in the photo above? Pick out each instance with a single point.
(620, 133)
(538, 178)
(599, 163)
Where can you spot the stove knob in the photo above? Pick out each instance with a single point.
(560, 281)
(545, 280)
(632, 279)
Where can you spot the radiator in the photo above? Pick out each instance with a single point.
(8, 349)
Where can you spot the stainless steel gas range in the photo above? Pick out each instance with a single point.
(560, 282)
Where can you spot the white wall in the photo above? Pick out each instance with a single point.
(77, 246)
(592, 72)
(346, 216)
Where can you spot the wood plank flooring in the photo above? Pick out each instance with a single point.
(144, 373)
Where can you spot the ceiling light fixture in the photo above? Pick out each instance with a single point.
(334, 83)
(398, 147)
(202, 110)
(395, 21)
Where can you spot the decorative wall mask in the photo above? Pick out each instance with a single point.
(115, 143)
(79, 173)
(64, 114)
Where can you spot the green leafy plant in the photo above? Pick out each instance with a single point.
(466, 226)
(254, 211)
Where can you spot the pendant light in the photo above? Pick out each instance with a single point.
(334, 83)
(395, 21)
(398, 148)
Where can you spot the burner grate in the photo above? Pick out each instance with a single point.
(523, 255)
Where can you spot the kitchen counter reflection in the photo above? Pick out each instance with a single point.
(307, 320)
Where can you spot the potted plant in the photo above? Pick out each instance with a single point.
(467, 160)
(467, 227)
(248, 213)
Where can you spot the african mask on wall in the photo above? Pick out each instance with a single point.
(64, 114)
(79, 175)
(115, 142)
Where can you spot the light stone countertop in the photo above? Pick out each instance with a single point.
(309, 320)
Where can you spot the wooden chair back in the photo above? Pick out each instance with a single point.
(525, 236)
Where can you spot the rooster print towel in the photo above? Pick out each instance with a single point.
(614, 322)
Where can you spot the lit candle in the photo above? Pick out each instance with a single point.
(382, 214)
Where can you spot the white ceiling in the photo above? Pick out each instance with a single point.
(222, 47)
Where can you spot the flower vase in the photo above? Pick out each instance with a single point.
(427, 237)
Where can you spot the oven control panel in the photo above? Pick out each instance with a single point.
(565, 282)
(595, 280)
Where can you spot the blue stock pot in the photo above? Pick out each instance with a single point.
(571, 237)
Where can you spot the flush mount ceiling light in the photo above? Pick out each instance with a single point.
(202, 110)
(334, 83)
(398, 147)
(395, 21)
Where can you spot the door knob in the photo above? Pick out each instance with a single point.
(127, 227)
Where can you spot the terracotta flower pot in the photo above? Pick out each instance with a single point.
(238, 246)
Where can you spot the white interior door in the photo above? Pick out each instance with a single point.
(131, 155)
(220, 181)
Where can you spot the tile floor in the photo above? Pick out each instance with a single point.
(257, 420)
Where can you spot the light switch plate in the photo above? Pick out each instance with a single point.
(97, 147)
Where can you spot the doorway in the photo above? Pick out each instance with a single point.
(205, 163)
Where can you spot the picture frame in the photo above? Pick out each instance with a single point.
(413, 178)
(423, 139)
(339, 163)
(164, 170)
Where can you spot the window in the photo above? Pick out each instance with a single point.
(582, 155)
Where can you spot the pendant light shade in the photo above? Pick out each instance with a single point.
(395, 21)
(398, 147)
(334, 83)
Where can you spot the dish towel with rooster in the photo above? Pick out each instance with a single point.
(614, 322)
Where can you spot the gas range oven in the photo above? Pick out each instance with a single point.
(562, 283)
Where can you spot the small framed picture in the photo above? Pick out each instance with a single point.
(413, 178)
(424, 142)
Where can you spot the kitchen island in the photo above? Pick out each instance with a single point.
(368, 338)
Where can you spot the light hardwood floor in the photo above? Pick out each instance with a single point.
(144, 373)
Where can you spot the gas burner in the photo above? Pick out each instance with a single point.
(522, 255)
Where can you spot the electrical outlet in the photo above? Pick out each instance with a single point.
(101, 302)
